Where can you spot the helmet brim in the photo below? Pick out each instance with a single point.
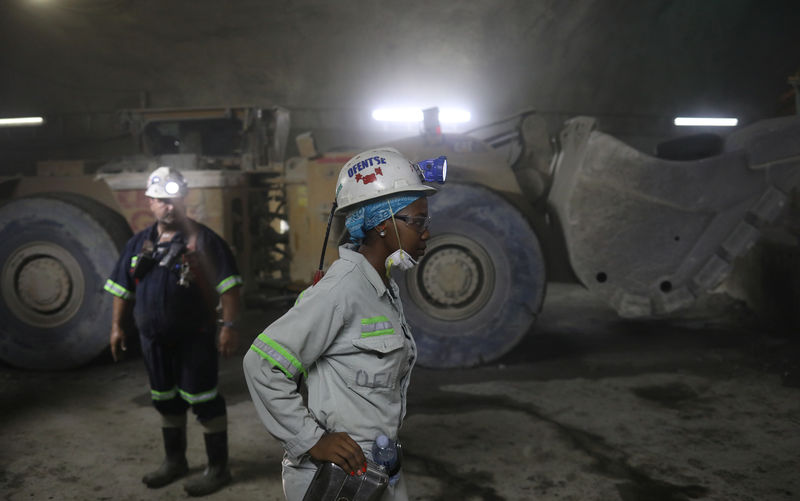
(427, 191)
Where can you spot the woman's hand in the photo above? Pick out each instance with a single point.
(342, 450)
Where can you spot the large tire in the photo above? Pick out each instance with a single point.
(479, 287)
(56, 252)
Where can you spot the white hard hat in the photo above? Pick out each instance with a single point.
(376, 173)
(166, 182)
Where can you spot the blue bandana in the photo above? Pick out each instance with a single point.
(371, 215)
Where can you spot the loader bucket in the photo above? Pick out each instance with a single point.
(649, 235)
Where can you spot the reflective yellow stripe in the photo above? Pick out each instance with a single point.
(271, 360)
(278, 356)
(163, 395)
(228, 283)
(382, 332)
(376, 326)
(116, 289)
(373, 320)
(196, 398)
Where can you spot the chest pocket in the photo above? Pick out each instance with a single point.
(379, 361)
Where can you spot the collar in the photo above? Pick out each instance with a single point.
(349, 253)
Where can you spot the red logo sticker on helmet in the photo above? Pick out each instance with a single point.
(367, 162)
(369, 178)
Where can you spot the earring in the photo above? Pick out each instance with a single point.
(382, 233)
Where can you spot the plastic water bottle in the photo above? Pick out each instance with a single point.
(384, 452)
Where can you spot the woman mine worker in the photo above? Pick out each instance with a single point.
(346, 337)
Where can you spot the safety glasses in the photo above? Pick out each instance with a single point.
(418, 223)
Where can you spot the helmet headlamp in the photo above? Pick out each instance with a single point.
(433, 170)
(166, 182)
(172, 188)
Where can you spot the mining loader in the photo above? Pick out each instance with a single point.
(62, 229)
(649, 234)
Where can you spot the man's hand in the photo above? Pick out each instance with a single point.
(117, 341)
(339, 448)
(228, 337)
(228, 341)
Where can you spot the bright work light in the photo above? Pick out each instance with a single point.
(434, 169)
(705, 122)
(397, 115)
(454, 116)
(172, 188)
(446, 115)
(21, 122)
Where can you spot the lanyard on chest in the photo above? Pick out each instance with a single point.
(170, 255)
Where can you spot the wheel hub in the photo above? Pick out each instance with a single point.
(451, 276)
(454, 280)
(43, 284)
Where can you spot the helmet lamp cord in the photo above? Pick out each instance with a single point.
(319, 273)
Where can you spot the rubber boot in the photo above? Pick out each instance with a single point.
(216, 475)
(174, 465)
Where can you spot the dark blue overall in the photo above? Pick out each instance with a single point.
(177, 324)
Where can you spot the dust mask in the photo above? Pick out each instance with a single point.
(399, 259)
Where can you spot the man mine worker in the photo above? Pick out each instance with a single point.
(171, 277)
(346, 337)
